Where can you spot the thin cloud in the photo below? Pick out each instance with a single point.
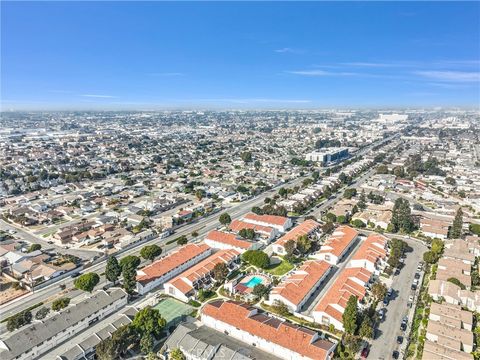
(287, 50)
(450, 76)
(167, 74)
(251, 100)
(370, 64)
(321, 73)
(98, 96)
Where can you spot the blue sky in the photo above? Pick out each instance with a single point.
(151, 55)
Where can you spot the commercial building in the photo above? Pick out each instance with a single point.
(327, 156)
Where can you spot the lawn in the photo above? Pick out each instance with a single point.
(281, 268)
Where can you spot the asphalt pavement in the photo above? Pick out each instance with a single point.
(388, 330)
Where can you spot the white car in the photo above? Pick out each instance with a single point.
(410, 298)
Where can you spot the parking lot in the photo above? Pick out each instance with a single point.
(388, 331)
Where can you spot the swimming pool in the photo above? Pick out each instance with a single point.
(253, 281)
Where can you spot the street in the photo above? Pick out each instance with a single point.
(388, 330)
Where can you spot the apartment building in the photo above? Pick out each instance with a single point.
(350, 282)
(308, 228)
(295, 290)
(185, 286)
(280, 223)
(171, 265)
(31, 341)
(271, 334)
(371, 254)
(337, 245)
(224, 241)
(266, 232)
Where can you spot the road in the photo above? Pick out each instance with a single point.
(389, 328)
(28, 236)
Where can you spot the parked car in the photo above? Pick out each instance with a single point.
(410, 298)
(395, 354)
(390, 292)
(365, 352)
(403, 325)
(381, 314)
(397, 272)
(399, 339)
(74, 275)
(414, 287)
(386, 300)
(417, 275)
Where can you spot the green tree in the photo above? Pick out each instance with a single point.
(34, 247)
(18, 320)
(382, 169)
(430, 257)
(283, 192)
(146, 343)
(129, 279)
(366, 329)
(60, 304)
(148, 321)
(117, 344)
(304, 244)
(246, 156)
(200, 194)
(182, 240)
(130, 261)
(87, 282)
(456, 229)
(349, 193)
(457, 282)
(150, 252)
(280, 308)
(401, 216)
(331, 217)
(475, 229)
(341, 219)
(350, 315)
(379, 290)
(290, 247)
(42, 313)
(247, 233)
(113, 269)
(256, 258)
(220, 272)
(259, 290)
(225, 219)
(437, 247)
(177, 354)
(358, 223)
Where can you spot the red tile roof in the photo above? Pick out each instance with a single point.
(247, 318)
(341, 290)
(305, 228)
(340, 240)
(183, 281)
(229, 239)
(237, 225)
(372, 249)
(296, 286)
(268, 219)
(170, 262)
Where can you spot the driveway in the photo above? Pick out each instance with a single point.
(389, 328)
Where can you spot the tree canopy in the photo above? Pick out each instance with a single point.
(256, 258)
(225, 219)
(350, 315)
(150, 252)
(113, 269)
(87, 282)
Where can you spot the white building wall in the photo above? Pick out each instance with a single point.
(68, 333)
(250, 339)
(142, 289)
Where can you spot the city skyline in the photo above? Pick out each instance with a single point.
(149, 56)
